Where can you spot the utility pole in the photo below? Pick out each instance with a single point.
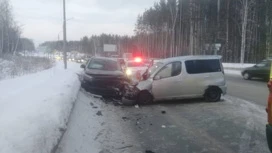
(64, 36)
(218, 19)
(191, 45)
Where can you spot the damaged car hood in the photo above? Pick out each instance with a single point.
(145, 85)
(104, 73)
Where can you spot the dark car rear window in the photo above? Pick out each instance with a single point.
(103, 64)
(203, 66)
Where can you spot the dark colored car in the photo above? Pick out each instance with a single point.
(103, 76)
(261, 70)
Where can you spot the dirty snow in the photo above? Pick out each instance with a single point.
(255, 120)
(248, 109)
(35, 108)
(232, 125)
(95, 128)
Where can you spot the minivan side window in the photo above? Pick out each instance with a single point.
(170, 70)
(203, 66)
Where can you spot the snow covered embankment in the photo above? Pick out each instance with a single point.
(34, 109)
(235, 68)
(14, 66)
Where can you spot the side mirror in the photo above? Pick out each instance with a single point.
(83, 66)
(157, 77)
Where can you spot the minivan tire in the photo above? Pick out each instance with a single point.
(213, 94)
(144, 97)
(246, 76)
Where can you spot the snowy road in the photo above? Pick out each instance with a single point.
(230, 126)
(252, 90)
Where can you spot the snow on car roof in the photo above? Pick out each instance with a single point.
(183, 58)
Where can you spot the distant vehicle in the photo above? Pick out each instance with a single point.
(261, 70)
(154, 61)
(127, 56)
(80, 60)
(103, 76)
(183, 77)
(136, 68)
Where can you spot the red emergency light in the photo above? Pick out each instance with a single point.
(138, 59)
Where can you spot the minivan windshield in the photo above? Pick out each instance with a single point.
(103, 64)
(153, 68)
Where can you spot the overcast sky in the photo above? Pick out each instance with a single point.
(41, 20)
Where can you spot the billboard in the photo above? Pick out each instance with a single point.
(110, 48)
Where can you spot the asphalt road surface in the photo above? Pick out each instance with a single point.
(251, 90)
(188, 126)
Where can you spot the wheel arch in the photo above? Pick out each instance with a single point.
(212, 87)
(145, 91)
(148, 91)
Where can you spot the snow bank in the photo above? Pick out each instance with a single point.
(96, 126)
(13, 66)
(236, 65)
(235, 68)
(232, 72)
(34, 109)
(5, 68)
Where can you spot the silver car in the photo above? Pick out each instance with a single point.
(183, 77)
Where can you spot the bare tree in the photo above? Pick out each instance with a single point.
(246, 5)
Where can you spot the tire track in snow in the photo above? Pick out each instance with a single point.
(245, 139)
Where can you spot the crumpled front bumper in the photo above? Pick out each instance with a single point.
(105, 86)
(131, 92)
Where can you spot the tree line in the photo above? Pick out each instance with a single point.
(10, 32)
(94, 45)
(239, 30)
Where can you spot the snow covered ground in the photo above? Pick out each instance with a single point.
(235, 68)
(230, 126)
(94, 127)
(34, 109)
(236, 65)
(14, 66)
(5, 68)
(232, 72)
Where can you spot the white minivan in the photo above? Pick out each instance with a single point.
(183, 77)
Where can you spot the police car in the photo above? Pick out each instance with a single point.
(136, 68)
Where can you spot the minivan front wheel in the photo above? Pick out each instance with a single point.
(213, 94)
(144, 97)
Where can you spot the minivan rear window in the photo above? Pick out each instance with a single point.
(203, 66)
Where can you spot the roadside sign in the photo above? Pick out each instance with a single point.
(110, 48)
